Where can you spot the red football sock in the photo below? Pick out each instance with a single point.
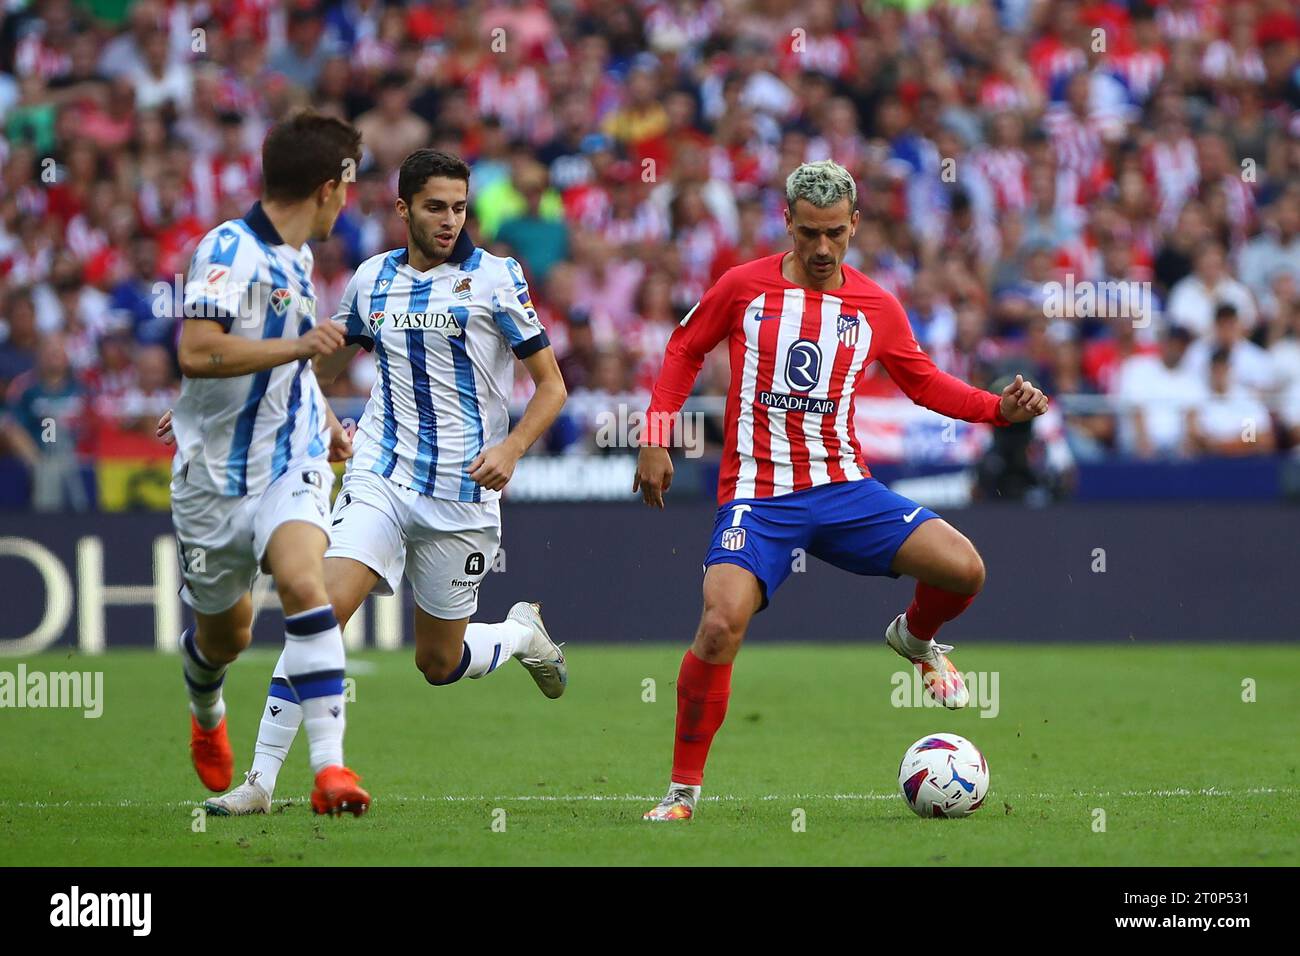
(931, 607)
(702, 693)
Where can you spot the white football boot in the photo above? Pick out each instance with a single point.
(541, 657)
(941, 679)
(679, 804)
(247, 798)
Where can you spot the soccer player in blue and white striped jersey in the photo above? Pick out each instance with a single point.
(251, 479)
(433, 449)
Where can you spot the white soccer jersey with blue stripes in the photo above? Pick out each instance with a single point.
(234, 436)
(443, 342)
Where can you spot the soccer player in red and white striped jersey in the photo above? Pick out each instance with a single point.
(801, 327)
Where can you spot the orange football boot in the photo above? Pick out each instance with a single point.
(338, 790)
(210, 750)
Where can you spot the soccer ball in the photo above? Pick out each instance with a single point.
(943, 775)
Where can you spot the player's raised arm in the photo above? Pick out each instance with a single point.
(695, 337)
(924, 383)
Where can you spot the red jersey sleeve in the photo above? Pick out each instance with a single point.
(922, 381)
(695, 337)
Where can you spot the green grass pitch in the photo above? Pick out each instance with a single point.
(1159, 738)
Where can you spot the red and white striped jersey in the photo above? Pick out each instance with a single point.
(1075, 139)
(1007, 171)
(797, 356)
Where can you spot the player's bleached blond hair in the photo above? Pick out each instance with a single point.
(823, 183)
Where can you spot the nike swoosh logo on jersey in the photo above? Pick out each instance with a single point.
(907, 519)
(764, 318)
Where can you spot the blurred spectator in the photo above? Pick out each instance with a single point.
(501, 199)
(1228, 420)
(154, 390)
(160, 81)
(1091, 430)
(1285, 352)
(1249, 367)
(18, 349)
(1276, 250)
(44, 421)
(933, 321)
(1155, 395)
(538, 242)
(1193, 300)
(390, 131)
(303, 57)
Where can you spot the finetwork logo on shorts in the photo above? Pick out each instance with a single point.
(73, 909)
(78, 690)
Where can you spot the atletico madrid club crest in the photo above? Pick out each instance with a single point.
(280, 300)
(733, 539)
(847, 329)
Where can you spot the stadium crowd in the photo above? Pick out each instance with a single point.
(1010, 156)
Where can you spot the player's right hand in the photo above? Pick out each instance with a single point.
(654, 475)
(164, 430)
(324, 339)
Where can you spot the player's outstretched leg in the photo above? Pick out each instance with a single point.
(281, 716)
(347, 582)
(446, 651)
(949, 574)
(731, 596)
(206, 650)
(314, 663)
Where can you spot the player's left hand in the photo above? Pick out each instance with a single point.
(494, 467)
(340, 442)
(1021, 401)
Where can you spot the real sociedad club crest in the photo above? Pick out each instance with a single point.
(461, 289)
(280, 300)
(847, 329)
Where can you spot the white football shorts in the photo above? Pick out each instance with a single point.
(222, 538)
(443, 547)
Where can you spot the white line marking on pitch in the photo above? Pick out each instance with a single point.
(632, 798)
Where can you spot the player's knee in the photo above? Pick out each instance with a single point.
(970, 571)
(436, 668)
(721, 631)
(300, 592)
(224, 647)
